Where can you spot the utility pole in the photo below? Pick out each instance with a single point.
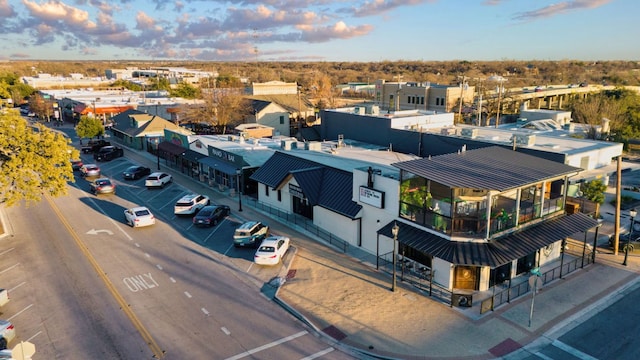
(461, 97)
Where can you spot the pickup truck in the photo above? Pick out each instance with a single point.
(107, 153)
(94, 145)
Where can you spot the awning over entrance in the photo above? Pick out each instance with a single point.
(219, 165)
(171, 148)
(497, 252)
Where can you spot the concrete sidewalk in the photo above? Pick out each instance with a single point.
(349, 302)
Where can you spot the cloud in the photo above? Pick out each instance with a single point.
(560, 8)
(6, 10)
(339, 30)
(376, 7)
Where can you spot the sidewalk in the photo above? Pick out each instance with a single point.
(349, 303)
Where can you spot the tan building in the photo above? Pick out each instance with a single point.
(394, 96)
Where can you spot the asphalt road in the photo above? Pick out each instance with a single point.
(74, 264)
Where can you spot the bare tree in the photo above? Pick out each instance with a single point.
(592, 110)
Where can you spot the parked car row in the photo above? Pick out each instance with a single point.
(7, 330)
(270, 249)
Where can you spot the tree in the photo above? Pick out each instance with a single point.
(89, 127)
(594, 190)
(231, 109)
(34, 161)
(185, 91)
(593, 109)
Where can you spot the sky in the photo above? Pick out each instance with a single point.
(320, 30)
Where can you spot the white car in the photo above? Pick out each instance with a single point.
(7, 333)
(272, 250)
(158, 179)
(190, 204)
(139, 216)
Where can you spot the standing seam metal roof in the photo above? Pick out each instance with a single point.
(490, 168)
(496, 252)
(322, 185)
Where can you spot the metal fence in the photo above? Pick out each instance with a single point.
(522, 287)
(299, 221)
(422, 279)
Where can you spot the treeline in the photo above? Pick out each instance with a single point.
(518, 73)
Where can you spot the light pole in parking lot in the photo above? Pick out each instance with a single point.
(158, 153)
(633, 214)
(394, 231)
(239, 173)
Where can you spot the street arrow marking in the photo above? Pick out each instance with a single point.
(96, 232)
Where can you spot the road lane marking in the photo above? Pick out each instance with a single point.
(172, 279)
(159, 267)
(19, 312)
(205, 311)
(140, 282)
(318, 354)
(225, 330)
(137, 245)
(153, 346)
(186, 293)
(9, 268)
(267, 346)
(573, 351)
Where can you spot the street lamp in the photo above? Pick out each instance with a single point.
(633, 214)
(239, 173)
(158, 153)
(394, 231)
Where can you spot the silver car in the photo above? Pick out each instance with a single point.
(90, 170)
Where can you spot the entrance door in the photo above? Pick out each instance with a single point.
(301, 207)
(466, 277)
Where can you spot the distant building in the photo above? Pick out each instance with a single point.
(420, 96)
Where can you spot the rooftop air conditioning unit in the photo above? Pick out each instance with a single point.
(313, 146)
(524, 140)
(448, 131)
(470, 133)
(288, 144)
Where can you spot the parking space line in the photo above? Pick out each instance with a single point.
(318, 354)
(19, 312)
(159, 267)
(211, 233)
(36, 334)
(267, 346)
(17, 286)
(186, 293)
(172, 279)
(6, 251)
(225, 330)
(9, 268)
(205, 311)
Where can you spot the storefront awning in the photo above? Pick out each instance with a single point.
(497, 252)
(219, 165)
(171, 148)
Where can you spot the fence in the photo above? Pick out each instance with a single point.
(299, 221)
(522, 287)
(422, 279)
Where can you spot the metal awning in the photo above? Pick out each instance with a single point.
(171, 148)
(499, 251)
(219, 165)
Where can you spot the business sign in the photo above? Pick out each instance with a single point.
(372, 197)
(296, 191)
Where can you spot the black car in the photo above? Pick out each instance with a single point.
(210, 215)
(136, 172)
(108, 153)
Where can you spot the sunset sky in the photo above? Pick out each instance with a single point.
(320, 30)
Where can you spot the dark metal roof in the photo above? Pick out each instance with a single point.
(193, 156)
(497, 252)
(219, 165)
(490, 168)
(322, 185)
(171, 148)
